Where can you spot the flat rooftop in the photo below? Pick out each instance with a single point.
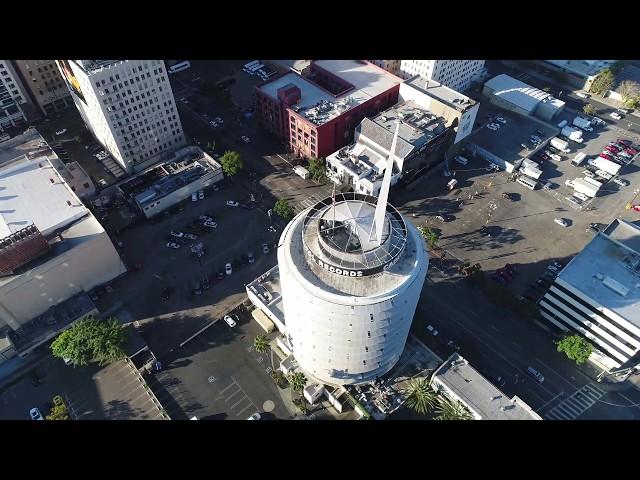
(608, 270)
(516, 92)
(267, 288)
(441, 92)
(318, 105)
(480, 394)
(296, 65)
(33, 192)
(505, 142)
(585, 68)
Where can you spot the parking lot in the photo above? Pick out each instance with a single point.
(115, 392)
(218, 375)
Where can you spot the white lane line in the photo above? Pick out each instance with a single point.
(547, 403)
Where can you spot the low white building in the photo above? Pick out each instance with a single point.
(460, 381)
(51, 246)
(164, 185)
(597, 296)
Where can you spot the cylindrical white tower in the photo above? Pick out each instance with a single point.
(349, 300)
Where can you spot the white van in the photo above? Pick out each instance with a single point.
(301, 171)
(461, 160)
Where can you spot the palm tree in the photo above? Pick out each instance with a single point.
(449, 409)
(261, 344)
(297, 381)
(421, 396)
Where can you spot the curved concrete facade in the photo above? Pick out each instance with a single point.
(339, 333)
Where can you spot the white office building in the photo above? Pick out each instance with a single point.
(51, 245)
(391, 66)
(597, 296)
(128, 106)
(12, 97)
(455, 74)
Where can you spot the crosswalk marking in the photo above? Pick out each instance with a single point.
(578, 403)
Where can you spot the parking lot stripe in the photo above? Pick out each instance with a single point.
(244, 397)
(233, 395)
(240, 411)
(228, 387)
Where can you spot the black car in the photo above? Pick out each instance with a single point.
(166, 294)
(220, 275)
(595, 227)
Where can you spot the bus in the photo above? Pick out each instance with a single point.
(180, 66)
(528, 182)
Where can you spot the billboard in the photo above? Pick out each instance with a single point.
(72, 81)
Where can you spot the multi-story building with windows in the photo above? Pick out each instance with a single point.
(597, 296)
(391, 66)
(317, 113)
(128, 106)
(42, 79)
(455, 74)
(12, 98)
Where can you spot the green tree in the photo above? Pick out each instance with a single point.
(58, 412)
(430, 235)
(421, 397)
(603, 82)
(297, 381)
(261, 344)
(318, 170)
(231, 163)
(630, 92)
(283, 209)
(449, 409)
(91, 340)
(575, 347)
(589, 109)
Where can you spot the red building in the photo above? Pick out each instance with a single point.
(317, 114)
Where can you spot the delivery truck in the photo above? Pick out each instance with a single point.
(578, 159)
(560, 145)
(583, 123)
(586, 188)
(593, 181)
(573, 134)
(606, 165)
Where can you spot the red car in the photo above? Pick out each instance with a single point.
(631, 151)
(504, 274)
(624, 141)
(636, 208)
(605, 156)
(612, 149)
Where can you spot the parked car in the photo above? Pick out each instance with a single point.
(443, 218)
(582, 95)
(499, 279)
(227, 269)
(532, 371)
(61, 132)
(67, 361)
(173, 245)
(232, 203)
(251, 258)
(615, 116)
(606, 156)
(194, 197)
(35, 414)
(624, 141)
(230, 321)
(493, 127)
(631, 151)
(581, 196)
(245, 139)
(58, 401)
(621, 181)
(166, 294)
(548, 186)
(265, 248)
(612, 148)
(595, 227)
(255, 416)
(501, 120)
(201, 195)
(432, 330)
(561, 221)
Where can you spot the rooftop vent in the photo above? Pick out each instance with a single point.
(615, 286)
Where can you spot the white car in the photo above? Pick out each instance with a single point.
(492, 127)
(201, 195)
(232, 203)
(219, 120)
(582, 95)
(431, 329)
(67, 361)
(210, 224)
(35, 414)
(61, 132)
(194, 197)
(495, 125)
(621, 181)
(177, 234)
(173, 245)
(245, 139)
(501, 120)
(255, 416)
(230, 321)
(581, 196)
(615, 115)
(561, 221)
(227, 269)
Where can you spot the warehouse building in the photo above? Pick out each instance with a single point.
(512, 94)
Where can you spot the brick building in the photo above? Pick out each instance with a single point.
(316, 114)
